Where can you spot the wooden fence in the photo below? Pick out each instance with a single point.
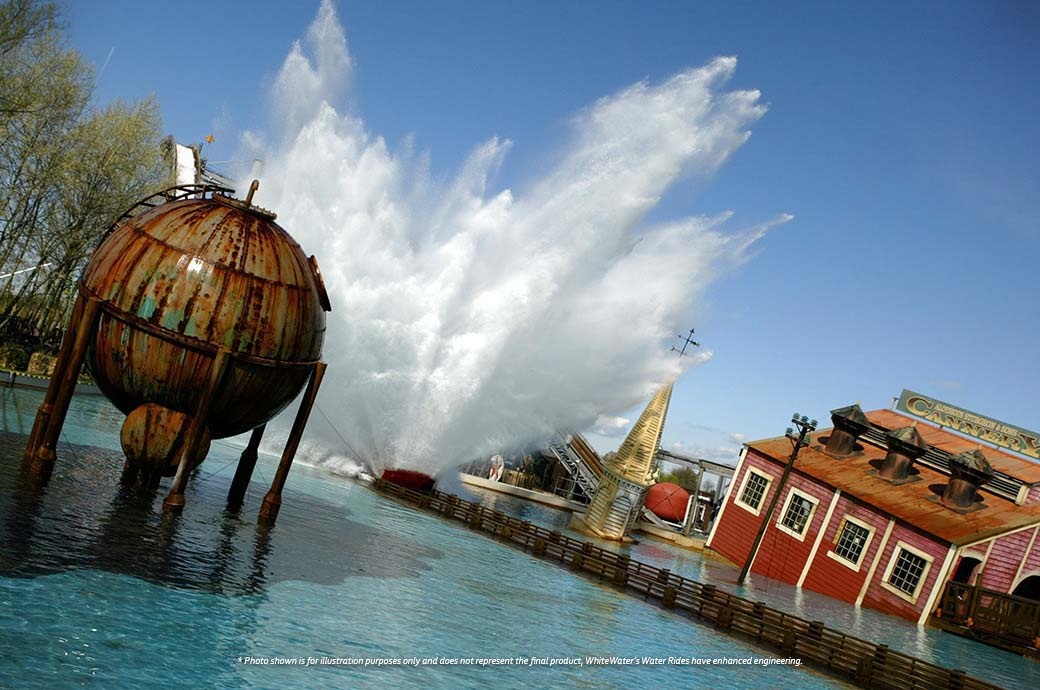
(997, 618)
(866, 664)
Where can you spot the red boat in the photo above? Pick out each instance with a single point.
(409, 479)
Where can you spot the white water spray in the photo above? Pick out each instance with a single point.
(467, 321)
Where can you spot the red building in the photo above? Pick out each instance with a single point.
(883, 511)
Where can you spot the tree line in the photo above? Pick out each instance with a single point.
(68, 169)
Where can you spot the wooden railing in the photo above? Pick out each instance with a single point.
(1003, 619)
(866, 664)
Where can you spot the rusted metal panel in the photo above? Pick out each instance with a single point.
(904, 446)
(849, 422)
(968, 471)
(188, 278)
(1014, 465)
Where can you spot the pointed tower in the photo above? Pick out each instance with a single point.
(619, 497)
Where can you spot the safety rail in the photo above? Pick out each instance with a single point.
(574, 466)
(863, 663)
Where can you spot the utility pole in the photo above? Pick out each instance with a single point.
(805, 427)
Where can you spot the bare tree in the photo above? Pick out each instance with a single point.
(67, 170)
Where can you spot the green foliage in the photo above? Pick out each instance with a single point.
(683, 476)
(67, 169)
(13, 356)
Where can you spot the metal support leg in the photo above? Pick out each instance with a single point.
(244, 472)
(273, 499)
(131, 474)
(51, 416)
(175, 500)
(43, 415)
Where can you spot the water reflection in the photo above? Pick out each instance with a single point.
(84, 518)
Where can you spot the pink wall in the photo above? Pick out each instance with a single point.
(783, 557)
(830, 577)
(737, 527)
(1034, 494)
(881, 598)
(999, 569)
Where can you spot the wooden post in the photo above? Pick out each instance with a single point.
(804, 429)
(724, 618)
(244, 472)
(51, 416)
(273, 499)
(174, 502)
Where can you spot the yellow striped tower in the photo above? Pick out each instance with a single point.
(619, 497)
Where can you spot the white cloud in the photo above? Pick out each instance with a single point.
(610, 426)
(725, 454)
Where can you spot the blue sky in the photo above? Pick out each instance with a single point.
(901, 136)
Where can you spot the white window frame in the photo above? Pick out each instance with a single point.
(739, 496)
(894, 558)
(855, 567)
(787, 504)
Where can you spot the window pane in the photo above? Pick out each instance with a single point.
(851, 542)
(907, 572)
(797, 514)
(754, 490)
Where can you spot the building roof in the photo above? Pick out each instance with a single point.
(916, 502)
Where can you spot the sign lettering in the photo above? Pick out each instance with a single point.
(983, 428)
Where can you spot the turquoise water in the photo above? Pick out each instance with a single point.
(931, 644)
(98, 591)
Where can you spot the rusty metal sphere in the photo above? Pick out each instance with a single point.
(153, 437)
(188, 279)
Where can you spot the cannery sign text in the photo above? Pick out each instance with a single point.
(983, 428)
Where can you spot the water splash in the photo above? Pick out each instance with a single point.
(468, 320)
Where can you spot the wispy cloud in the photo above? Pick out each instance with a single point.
(725, 454)
(611, 427)
(108, 59)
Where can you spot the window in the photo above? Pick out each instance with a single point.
(753, 491)
(907, 569)
(797, 514)
(851, 543)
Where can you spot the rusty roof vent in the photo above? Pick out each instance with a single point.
(968, 471)
(849, 423)
(904, 446)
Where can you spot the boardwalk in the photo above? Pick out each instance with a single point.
(863, 663)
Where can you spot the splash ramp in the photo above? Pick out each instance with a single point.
(409, 479)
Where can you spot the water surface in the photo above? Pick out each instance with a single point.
(98, 590)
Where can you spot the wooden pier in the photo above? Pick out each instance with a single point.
(863, 663)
